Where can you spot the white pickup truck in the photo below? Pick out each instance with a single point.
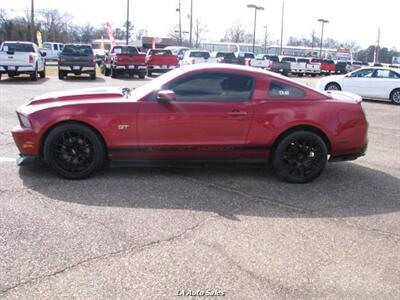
(52, 50)
(22, 58)
(192, 57)
(297, 68)
(248, 59)
(313, 66)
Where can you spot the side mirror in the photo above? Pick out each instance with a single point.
(166, 96)
(43, 54)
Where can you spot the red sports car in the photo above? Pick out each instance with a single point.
(207, 111)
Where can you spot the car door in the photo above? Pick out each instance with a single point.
(212, 110)
(358, 82)
(384, 82)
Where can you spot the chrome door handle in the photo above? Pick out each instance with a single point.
(237, 113)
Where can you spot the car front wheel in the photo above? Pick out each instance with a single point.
(73, 150)
(300, 157)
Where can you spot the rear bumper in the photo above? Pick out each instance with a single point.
(17, 69)
(161, 69)
(349, 156)
(79, 70)
(130, 68)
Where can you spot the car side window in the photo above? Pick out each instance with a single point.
(283, 90)
(363, 73)
(385, 74)
(213, 87)
(55, 47)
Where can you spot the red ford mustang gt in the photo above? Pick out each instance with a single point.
(196, 112)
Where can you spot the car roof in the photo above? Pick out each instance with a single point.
(19, 42)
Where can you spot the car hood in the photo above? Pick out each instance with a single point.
(80, 95)
(344, 96)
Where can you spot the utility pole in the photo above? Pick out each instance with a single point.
(180, 23)
(283, 15)
(191, 23)
(265, 38)
(323, 21)
(312, 41)
(32, 22)
(127, 22)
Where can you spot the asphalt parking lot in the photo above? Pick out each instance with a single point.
(151, 231)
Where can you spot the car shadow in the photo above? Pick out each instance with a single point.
(83, 78)
(343, 190)
(23, 80)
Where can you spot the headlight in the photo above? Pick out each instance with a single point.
(24, 121)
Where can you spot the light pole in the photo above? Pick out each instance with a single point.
(191, 24)
(323, 21)
(255, 21)
(127, 22)
(283, 16)
(180, 23)
(265, 38)
(32, 22)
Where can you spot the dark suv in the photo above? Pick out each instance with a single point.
(77, 59)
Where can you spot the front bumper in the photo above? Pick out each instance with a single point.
(23, 160)
(26, 140)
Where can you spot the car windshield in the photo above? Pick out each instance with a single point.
(18, 47)
(160, 52)
(77, 50)
(124, 50)
(199, 54)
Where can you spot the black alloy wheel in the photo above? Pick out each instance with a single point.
(73, 150)
(300, 157)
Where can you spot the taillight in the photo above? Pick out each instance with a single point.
(31, 59)
(94, 60)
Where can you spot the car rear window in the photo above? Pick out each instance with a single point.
(160, 52)
(283, 90)
(124, 50)
(316, 60)
(200, 54)
(17, 47)
(226, 55)
(328, 61)
(273, 58)
(289, 59)
(77, 50)
(302, 60)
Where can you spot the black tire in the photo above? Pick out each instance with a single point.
(73, 150)
(93, 76)
(313, 75)
(395, 96)
(142, 75)
(300, 157)
(43, 73)
(61, 75)
(34, 75)
(106, 71)
(149, 73)
(333, 86)
(113, 73)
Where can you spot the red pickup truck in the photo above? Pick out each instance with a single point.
(160, 61)
(125, 60)
(328, 67)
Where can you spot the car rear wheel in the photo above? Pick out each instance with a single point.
(332, 86)
(395, 96)
(43, 73)
(142, 75)
(34, 75)
(300, 157)
(61, 75)
(93, 76)
(73, 150)
(113, 73)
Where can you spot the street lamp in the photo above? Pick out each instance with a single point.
(255, 21)
(127, 22)
(323, 21)
(180, 23)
